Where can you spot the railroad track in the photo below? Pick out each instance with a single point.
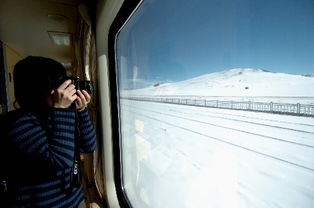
(181, 123)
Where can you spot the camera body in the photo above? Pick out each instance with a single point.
(82, 84)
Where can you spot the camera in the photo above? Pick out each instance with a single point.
(82, 84)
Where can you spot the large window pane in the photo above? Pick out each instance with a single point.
(217, 103)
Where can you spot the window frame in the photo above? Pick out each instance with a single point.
(126, 11)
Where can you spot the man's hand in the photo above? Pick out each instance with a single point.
(64, 95)
(83, 98)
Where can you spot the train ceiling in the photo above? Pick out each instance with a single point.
(29, 26)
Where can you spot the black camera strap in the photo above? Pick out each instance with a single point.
(75, 173)
(76, 169)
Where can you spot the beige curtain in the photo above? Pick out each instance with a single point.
(85, 49)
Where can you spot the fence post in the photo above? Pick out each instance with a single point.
(298, 108)
(271, 107)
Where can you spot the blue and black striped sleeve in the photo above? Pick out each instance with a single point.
(53, 148)
(87, 133)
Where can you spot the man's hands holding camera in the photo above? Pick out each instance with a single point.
(66, 94)
(83, 98)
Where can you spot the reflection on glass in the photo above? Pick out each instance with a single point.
(217, 104)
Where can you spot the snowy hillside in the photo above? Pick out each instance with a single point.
(236, 82)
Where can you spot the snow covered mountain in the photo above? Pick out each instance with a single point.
(236, 82)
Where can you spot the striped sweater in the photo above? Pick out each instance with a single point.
(39, 158)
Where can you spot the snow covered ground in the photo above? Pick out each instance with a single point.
(240, 84)
(196, 157)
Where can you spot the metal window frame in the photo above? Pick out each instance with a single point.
(124, 14)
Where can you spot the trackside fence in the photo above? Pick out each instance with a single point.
(270, 107)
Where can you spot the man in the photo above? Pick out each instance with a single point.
(43, 138)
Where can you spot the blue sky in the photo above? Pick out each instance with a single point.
(181, 39)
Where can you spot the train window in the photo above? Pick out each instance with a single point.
(216, 103)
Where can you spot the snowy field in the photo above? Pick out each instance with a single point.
(265, 99)
(196, 157)
(240, 84)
